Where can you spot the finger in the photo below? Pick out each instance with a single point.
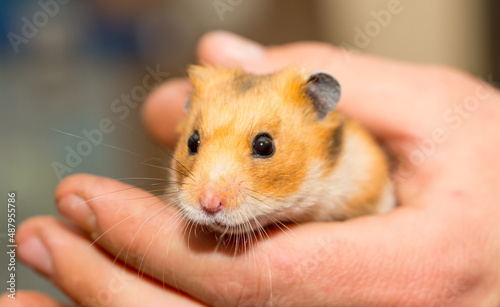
(84, 272)
(28, 299)
(158, 242)
(80, 197)
(141, 231)
(165, 108)
(393, 99)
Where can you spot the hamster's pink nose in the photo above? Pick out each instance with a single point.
(211, 202)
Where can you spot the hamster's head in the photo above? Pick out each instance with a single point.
(249, 144)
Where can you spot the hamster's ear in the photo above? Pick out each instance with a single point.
(324, 91)
(197, 74)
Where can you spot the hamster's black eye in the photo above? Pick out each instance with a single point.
(263, 146)
(194, 143)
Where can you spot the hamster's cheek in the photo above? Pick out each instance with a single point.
(282, 175)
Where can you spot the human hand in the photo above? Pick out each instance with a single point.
(441, 246)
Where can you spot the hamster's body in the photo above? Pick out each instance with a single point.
(255, 150)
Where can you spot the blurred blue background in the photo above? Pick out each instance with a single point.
(65, 63)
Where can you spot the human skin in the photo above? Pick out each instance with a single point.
(439, 247)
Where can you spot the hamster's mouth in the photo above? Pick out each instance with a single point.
(234, 229)
(225, 224)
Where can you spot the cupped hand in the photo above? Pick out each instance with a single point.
(439, 247)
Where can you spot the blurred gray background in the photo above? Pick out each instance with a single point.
(64, 67)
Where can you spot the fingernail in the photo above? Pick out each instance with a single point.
(77, 210)
(237, 47)
(35, 254)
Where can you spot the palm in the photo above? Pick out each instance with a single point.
(440, 246)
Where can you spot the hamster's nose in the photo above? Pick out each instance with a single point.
(211, 202)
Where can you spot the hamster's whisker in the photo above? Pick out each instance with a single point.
(237, 243)
(120, 190)
(165, 182)
(101, 143)
(161, 148)
(220, 239)
(258, 224)
(143, 178)
(246, 230)
(184, 167)
(171, 156)
(177, 217)
(140, 269)
(167, 168)
(239, 240)
(275, 222)
(118, 223)
(142, 197)
(151, 191)
(256, 241)
(260, 228)
(146, 197)
(152, 216)
(135, 234)
(191, 225)
(141, 186)
(166, 224)
(245, 241)
(258, 199)
(256, 192)
(181, 216)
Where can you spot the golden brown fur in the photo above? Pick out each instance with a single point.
(229, 108)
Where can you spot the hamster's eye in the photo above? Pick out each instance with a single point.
(194, 143)
(263, 146)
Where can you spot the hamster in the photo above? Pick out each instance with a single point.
(256, 150)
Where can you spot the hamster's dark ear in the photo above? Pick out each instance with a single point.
(324, 91)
